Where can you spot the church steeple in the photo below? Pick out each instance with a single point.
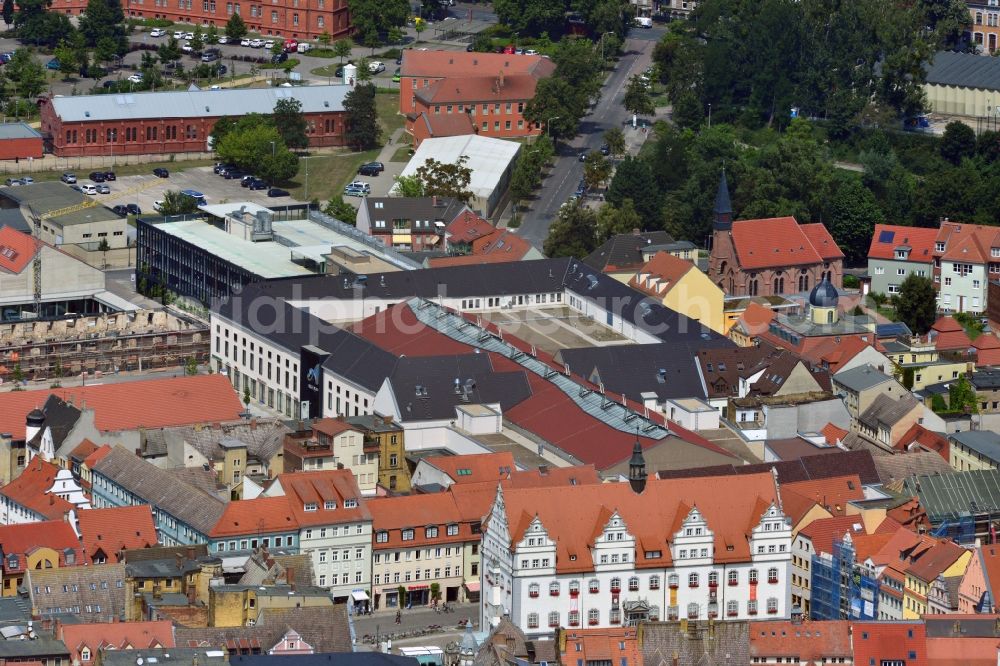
(723, 207)
(637, 468)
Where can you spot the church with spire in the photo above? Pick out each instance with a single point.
(769, 257)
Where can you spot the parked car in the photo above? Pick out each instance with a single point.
(361, 184)
(211, 55)
(88, 188)
(371, 169)
(69, 178)
(103, 189)
(76, 187)
(605, 149)
(160, 172)
(258, 184)
(52, 64)
(220, 70)
(269, 44)
(187, 48)
(303, 47)
(232, 174)
(222, 40)
(291, 45)
(27, 180)
(352, 191)
(157, 32)
(644, 21)
(277, 192)
(133, 209)
(179, 34)
(583, 156)
(109, 84)
(396, 75)
(135, 78)
(581, 189)
(110, 175)
(376, 66)
(189, 35)
(196, 195)
(13, 182)
(97, 176)
(256, 43)
(158, 205)
(245, 41)
(339, 72)
(120, 210)
(530, 51)
(278, 58)
(509, 49)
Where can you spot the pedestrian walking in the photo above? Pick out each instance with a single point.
(399, 616)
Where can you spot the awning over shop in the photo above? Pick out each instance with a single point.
(359, 595)
(417, 587)
(472, 586)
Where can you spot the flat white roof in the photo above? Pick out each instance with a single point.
(488, 158)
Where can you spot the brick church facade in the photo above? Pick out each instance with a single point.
(769, 257)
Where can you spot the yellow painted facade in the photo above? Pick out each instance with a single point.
(964, 459)
(40, 558)
(697, 297)
(239, 606)
(915, 590)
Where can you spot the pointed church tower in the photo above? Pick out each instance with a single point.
(637, 468)
(723, 206)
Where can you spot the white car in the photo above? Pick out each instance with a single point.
(178, 34)
(269, 44)
(303, 47)
(88, 188)
(256, 43)
(135, 78)
(189, 35)
(158, 206)
(186, 47)
(530, 52)
(222, 40)
(157, 32)
(245, 41)
(375, 67)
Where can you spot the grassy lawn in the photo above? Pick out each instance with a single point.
(326, 70)
(388, 112)
(402, 154)
(328, 174)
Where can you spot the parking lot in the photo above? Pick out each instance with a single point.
(143, 190)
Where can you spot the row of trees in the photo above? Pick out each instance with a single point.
(534, 18)
(561, 100)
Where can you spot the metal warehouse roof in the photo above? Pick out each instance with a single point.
(487, 157)
(18, 131)
(196, 104)
(964, 70)
(949, 496)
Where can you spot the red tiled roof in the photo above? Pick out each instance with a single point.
(971, 243)
(990, 557)
(112, 530)
(825, 531)
(935, 561)
(151, 403)
(16, 249)
(796, 506)
(333, 427)
(617, 645)
(476, 467)
(776, 241)
(97, 455)
(822, 241)
(756, 319)
(844, 352)
(30, 490)
(949, 334)
(438, 64)
(24, 538)
(115, 635)
(478, 87)
(660, 274)
(833, 433)
(548, 412)
(987, 350)
(418, 512)
(265, 515)
(83, 449)
(457, 124)
(497, 247)
(928, 439)
(574, 515)
(467, 227)
(888, 237)
(960, 650)
(810, 642)
(335, 485)
(833, 493)
(889, 641)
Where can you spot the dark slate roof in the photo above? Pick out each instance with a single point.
(986, 379)
(948, 496)
(983, 442)
(964, 70)
(436, 376)
(625, 250)
(352, 658)
(174, 656)
(966, 626)
(861, 378)
(60, 417)
(636, 369)
(722, 203)
(665, 643)
(888, 411)
(804, 469)
(325, 628)
(413, 208)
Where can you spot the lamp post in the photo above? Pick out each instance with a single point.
(709, 115)
(610, 32)
(548, 125)
(272, 149)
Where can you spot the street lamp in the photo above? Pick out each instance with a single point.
(709, 115)
(548, 125)
(610, 32)
(272, 149)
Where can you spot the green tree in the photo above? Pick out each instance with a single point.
(687, 111)
(916, 303)
(482, 43)
(191, 366)
(36, 25)
(962, 396)
(531, 17)
(446, 180)
(8, 12)
(435, 591)
(104, 20)
(852, 219)
(106, 50)
(291, 123)
(958, 142)
(246, 393)
(175, 203)
(25, 73)
(612, 220)
(198, 40)
(556, 106)
(419, 25)
(66, 56)
(363, 129)
(572, 232)
(377, 16)
(364, 74)
(396, 35)
(342, 49)
(615, 138)
(212, 35)
(337, 208)
(258, 148)
(637, 98)
(409, 186)
(633, 180)
(324, 39)
(596, 169)
(236, 29)
(278, 48)
(103, 248)
(169, 51)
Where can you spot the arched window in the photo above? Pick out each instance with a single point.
(829, 317)
(532, 620)
(803, 280)
(752, 287)
(85, 654)
(693, 580)
(533, 590)
(692, 611)
(553, 589)
(554, 619)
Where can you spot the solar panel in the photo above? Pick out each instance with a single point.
(886, 236)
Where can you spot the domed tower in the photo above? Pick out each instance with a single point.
(823, 303)
(34, 424)
(637, 469)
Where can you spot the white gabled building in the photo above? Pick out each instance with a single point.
(614, 554)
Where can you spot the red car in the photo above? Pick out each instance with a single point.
(291, 46)
(509, 49)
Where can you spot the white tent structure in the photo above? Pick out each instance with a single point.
(491, 161)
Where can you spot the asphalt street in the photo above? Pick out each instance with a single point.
(566, 173)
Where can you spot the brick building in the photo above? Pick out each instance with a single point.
(444, 93)
(769, 257)
(19, 141)
(177, 122)
(306, 19)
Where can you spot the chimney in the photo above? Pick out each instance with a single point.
(190, 552)
(180, 561)
(387, 420)
(253, 424)
(290, 577)
(434, 201)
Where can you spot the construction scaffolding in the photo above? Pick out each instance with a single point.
(960, 530)
(104, 343)
(841, 588)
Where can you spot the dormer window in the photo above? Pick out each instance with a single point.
(350, 503)
(85, 654)
(939, 247)
(329, 505)
(309, 506)
(381, 536)
(431, 532)
(408, 534)
(901, 254)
